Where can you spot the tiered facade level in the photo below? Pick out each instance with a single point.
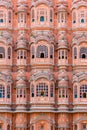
(43, 65)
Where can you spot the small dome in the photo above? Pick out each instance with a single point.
(6, 3)
(21, 41)
(22, 7)
(63, 83)
(62, 8)
(62, 75)
(62, 44)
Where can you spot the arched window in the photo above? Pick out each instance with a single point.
(74, 17)
(42, 52)
(51, 52)
(0, 126)
(2, 52)
(8, 127)
(83, 91)
(33, 15)
(9, 17)
(32, 90)
(83, 53)
(75, 53)
(32, 127)
(2, 16)
(42, 19)
(82, 16)
(59, 56)
(21, 93)
(59, 93)
(51, 15)
(51, 127)
(32, 52)
(8, 91)
(51, 90)
(24, 54)
(21, 18)
(9, 53)
(62, 93)
(21, 54)
(42, 90)
(75, 92)
(2, 91)
(82, 21)
(42, 127)
(62, 54)
(75, 127)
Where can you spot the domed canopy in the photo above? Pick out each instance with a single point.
(63, 83)
(79, 3)
(37, 2)
(6, 3)
(63, 75)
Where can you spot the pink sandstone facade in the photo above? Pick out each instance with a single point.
(43, 64)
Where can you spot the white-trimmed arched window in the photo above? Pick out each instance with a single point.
(8, 91)
(51, 90)
(33, 52)
(51, 15)
(9, 53)
(21, 18)
(21, 93)
(0, 126)
(83, 53)
(32, 90)
(74, 17)
(33, 15)
(2, 52)
(2, 91)
(42, 51)
(51, 52)
(83, 91)
(75, 53)
(75, 92)
(2, 17)
(10, 17)
(42, 90)
(21, 54)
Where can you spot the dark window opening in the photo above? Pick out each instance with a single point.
(82, 21)
(51, 20)
(42, 93)
(84, 95)
(83, 56)
(1, 21)
(32, 56)
(21, 57)
(9, 21)
(32, 94)
(42, 19)
(9, 57)
(51, 56)
(75, 57)
(1, 56)
(59, 57)
(42, 55)
(24, 57)
(62, 57)
(8, 96)
(74, 21)
(33, 20)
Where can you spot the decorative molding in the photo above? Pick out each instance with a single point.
(41, 35)
(41, 74)
(79, 77)
(79, 37)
